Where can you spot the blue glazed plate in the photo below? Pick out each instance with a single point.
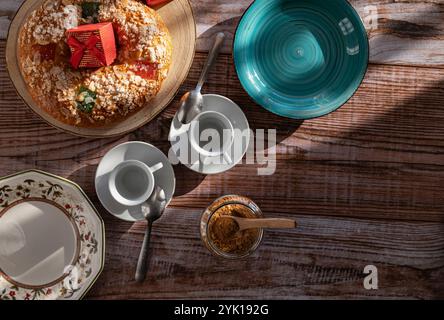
(301, 58)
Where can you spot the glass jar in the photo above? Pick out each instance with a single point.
(246, 242)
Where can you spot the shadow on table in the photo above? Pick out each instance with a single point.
(393, 149)
(157, 133)
(262, 119)
(186, 180)
(228, 27)
(85, 177)
(258, 117)
(421, 114)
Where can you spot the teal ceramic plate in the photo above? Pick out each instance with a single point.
(301, 58)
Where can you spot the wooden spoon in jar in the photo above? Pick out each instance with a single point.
(247, 223)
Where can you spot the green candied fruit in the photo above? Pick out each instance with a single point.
(90, 10)
(88, 107)
(90, 93)
(86, 99)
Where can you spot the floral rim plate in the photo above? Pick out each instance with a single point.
(51, 238)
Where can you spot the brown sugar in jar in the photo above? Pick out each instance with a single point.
(224, 234)
(221, 234)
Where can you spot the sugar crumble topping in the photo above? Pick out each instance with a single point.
(117, 89)
(55, 18)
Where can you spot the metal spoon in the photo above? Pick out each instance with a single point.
(152, 210)
(191, 102)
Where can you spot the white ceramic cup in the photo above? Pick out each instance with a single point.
(208, 125)
(131, 182)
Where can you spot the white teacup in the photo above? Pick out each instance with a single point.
(131, 182)
(202, 131)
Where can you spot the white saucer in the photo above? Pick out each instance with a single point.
(211, 102)
(133, 150)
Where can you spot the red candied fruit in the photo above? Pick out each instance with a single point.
(47, 52)
(146, 70)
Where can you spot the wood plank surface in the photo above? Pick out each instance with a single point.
(388, 136)
(364, 183)
(324, 258)
(400, 32)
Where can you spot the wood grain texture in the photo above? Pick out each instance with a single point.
(323, 258)
(364, 184)
(379, 156)
(400, 32)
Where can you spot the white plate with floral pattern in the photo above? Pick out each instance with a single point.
(51, 238)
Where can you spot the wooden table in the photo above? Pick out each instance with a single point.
(365, 183)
